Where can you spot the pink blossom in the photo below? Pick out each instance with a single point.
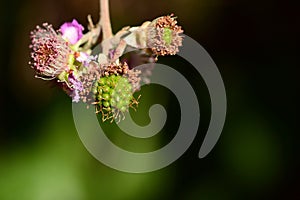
(72, 31)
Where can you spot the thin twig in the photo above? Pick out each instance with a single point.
(105, 19)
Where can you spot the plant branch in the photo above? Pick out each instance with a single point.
(105, 19)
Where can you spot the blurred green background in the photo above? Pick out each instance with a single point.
(254, 44)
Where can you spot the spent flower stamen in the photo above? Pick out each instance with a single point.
(50, 52)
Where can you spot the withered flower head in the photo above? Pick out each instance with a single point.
(50, 52)
(164, 36)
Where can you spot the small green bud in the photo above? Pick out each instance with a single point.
(106, 96)
(106, 104)
(95, 91)
(112, 93)
(102, 81)
(100, 91)
(105, 88)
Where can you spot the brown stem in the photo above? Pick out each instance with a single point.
(105, 19)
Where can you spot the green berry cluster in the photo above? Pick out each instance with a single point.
(113, 95)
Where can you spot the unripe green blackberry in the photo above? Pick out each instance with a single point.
(114, 94)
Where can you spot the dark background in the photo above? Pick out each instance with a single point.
(255, 45)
